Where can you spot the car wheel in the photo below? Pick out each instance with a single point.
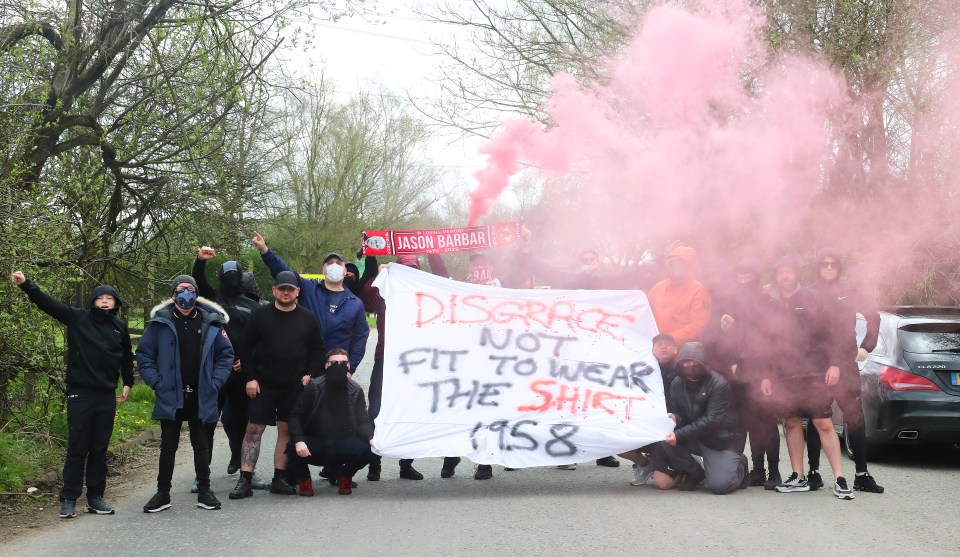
(875, 450)
(847, 448)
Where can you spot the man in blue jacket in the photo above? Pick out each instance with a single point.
(342, 319)
(185, 357)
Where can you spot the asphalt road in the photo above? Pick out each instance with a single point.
(591, 511)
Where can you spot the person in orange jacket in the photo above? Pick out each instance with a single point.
(680, 304)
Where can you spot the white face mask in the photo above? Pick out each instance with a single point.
(335, 273)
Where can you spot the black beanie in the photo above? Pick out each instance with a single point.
(183, 279)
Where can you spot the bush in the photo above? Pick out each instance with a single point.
(24, 459)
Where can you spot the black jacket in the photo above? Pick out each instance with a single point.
(236, 305)
(305, 418)
(706, 414)
(843, 301)
(98, 342)
(800, 339)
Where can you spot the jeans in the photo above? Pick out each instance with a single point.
(352, 453)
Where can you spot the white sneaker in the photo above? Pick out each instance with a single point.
(567, 467)
(642, 474)
(841, 491)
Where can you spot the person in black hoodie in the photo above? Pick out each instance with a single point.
(845, 301)
(741, 324)
(708, 424)
(98, 344)
(229, 295)
(804, 355)
(330, 426)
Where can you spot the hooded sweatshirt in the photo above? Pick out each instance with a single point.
(843, 301)
(681, 307)
(98, 342)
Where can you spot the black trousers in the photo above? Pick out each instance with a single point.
(374, 395)
(233, 403)
(90, 416)
(848, 395)
(759, 418)
(351, 453)
(170, 441)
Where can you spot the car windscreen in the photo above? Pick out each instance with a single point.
(930, 338)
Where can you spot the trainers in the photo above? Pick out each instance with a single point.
(373, 472)
(506, 469)
(195, 488)
(567, 466)
(692, 481)
(794, 483)
(233, 466)
(814, 480)
(257, 483)
(328, 473)
(758, 477)
(68, 508)
(840, 489)
(279, 486)
(745, 466)
(408, 472)
(642, 474)
(449, 466)
(345, 485)
(159, 502)
(484, 472)
(609, 462)
(242, 489)
(96, 505)
(773, 481)
(207, 500)
(866, 483)
(306, 488)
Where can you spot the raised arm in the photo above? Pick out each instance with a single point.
(54, 308)
(274, 263)
(199, 272)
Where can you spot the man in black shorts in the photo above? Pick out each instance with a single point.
(282, 350)
(806, 343)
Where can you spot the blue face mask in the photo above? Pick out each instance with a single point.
(185, 299)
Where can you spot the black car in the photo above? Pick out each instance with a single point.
(911, 381)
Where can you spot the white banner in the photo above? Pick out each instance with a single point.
(515, 377)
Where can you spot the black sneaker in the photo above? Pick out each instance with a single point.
(794, 484)
(484, 472)
(280, 486)
(692, 481)
(840, 489)
(195, 488)
(327, 472)
(242, 489)
(233, 466)
(773, 480)
(373, 472)
(866, 483)
(408, 472)
(758, 477)
(159, 502)
(96, 505)
(68, 508)
(207, 500)
(449, 466)
(814, 480)
(609, 462)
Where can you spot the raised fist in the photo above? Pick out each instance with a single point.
(18, 278)
(206, 253)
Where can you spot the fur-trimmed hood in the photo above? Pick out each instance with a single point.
(205, 305)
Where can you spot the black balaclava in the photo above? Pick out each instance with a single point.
(352, 283)
(692, 352)
(248, 283)
(231, 277)
(336, 375)
(100, 314)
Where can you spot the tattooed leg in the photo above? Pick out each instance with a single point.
(251, 447)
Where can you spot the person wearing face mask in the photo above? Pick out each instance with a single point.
(680, 304)
(740, 328)
(707, 424)
(99, 354)
(233, 400)
(186, 357)
(339, 311)
(330, 427)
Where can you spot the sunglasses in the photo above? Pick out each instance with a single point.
(830, 265)
(180, 289)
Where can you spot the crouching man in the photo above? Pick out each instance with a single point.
(329, 426)
(700, 403)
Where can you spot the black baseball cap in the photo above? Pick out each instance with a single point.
(332, 255)
(664, 337)
(286, 278)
